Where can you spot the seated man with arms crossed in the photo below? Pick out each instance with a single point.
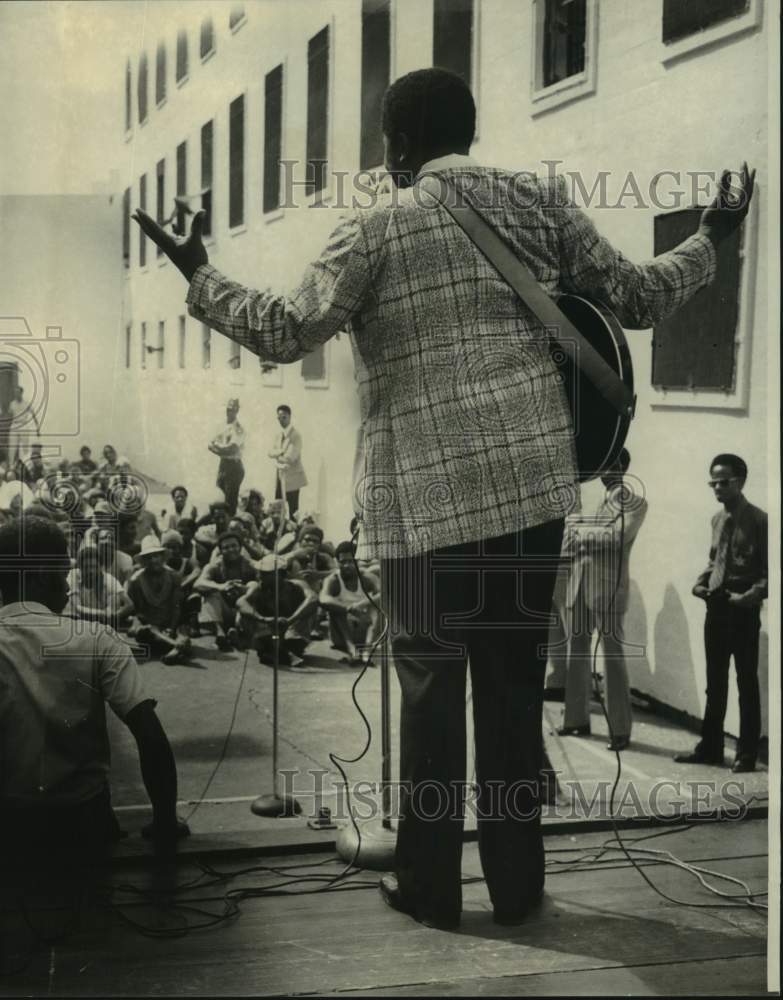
(54, 683)
(221, 584)
(353, 620)
(156, 593)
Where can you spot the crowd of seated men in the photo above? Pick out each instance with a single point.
(256, 580)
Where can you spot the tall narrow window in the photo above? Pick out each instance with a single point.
(161, 343)
(207, 39)
(273, 137)
(236, 162)
(182, 55)
(126, 227)
(160, 73)
(128, 345)
(143, 207)
(182, 185)
(453, 37)
(314, 365)
(207, 155)
(565, 25)
(682, 19)
(206, 346)
(128, 97)
(376, 67)
(237, 15)
(160, 197)
(317, 110)
(143, 345)
(141, 87)
(234, 355)
(181, 346)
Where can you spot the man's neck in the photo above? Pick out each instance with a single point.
(733, 505)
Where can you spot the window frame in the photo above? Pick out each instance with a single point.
(143, 61)
(572, 88)
(738, 397)
(182, 342)
(323, 381)
(160, 203)
(237, 227)
(326, 193)
(126, 230)
(142, 236)
(279, 211)
(161, 345)
(143, 344)
(475, 59)
(209, 237)
(128, 346)
(234, 28)
(390, 6)
(128, 99)
(180, 80)
(161, 77)
(204, 56)
(671, 51)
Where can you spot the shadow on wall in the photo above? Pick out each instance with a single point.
(674, 679)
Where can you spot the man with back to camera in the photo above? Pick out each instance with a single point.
(467, 455)
(228, 444)
(54, 683)
(288, 461)
(733, 586)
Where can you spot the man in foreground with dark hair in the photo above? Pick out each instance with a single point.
(733, 586)
(466, 462)
(55, 682)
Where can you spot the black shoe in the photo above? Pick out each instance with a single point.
(699, 757)
(743, 765)
(574, 730)
(393, 897)
(512, 918)
(618, 743)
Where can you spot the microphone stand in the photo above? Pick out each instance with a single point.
(277, 803)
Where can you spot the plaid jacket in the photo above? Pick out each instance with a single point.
(466, 432)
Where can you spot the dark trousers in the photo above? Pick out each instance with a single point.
(732, 631)
(291, 496)
(231, 472)
(501, 590)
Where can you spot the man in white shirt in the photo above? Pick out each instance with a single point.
(228, 445)
(288, 460)
(54, 682)
(23, 419)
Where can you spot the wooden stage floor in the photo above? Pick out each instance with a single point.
(601, 931)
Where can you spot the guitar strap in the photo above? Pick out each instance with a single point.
(576, 347)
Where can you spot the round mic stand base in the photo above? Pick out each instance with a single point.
(374, 849)
(275, 805)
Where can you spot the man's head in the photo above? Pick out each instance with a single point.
(110, 454)
(310, 537)
(232, 408)
(275, 509)
(85, 452)
(284, 415)
(344, 553)
(34, 563)
(172, 541)
(180, 496)
(727, 477)
(426, 114)
(613, 476)
(89, 563)
(107, 546)
(152, 555)
(218, 510)
(230, 546)
(238, 527)
(252, 500)
(187, 529)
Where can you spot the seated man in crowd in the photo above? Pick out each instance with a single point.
(112, 463)
(252, 502)
(85, 466)
(189, 571)
(252, 549)
(157, 604)
(209, 528)
(269, 607)
(118, 564)
(221, 583)
(32, 469)
(96, 595)
(54, 743)
(308, 562)
(353, 615)
(277, 532)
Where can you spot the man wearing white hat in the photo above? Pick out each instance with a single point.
(156, 593)
(228, 444)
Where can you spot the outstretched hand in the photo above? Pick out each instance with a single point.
(186, 254)
(729, 207)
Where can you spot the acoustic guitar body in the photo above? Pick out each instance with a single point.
(599, 430)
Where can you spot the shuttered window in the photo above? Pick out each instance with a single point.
(376, 67)
(317, 110)
(453, 37)
(207, 157)
(685, 17)
(160, 73)
(273, 137)
(236, 162)
(182, 55)
(565, 26)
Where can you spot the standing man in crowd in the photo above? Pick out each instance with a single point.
(85, 466)
(599, 548)
(288, 461)
(733, 586)
(54, 742)
(466, 466)
(228, 445)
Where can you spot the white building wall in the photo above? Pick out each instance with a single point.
(644, 116)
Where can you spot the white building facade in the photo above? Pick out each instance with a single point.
(639, 104)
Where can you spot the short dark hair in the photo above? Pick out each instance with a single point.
(183, 488)
(344, 547)
(285, 408)
(735, 463)
(310, 528)
(84, 447)
(30, 546)
(433, 107)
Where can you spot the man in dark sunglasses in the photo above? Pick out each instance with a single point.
(733, 586)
